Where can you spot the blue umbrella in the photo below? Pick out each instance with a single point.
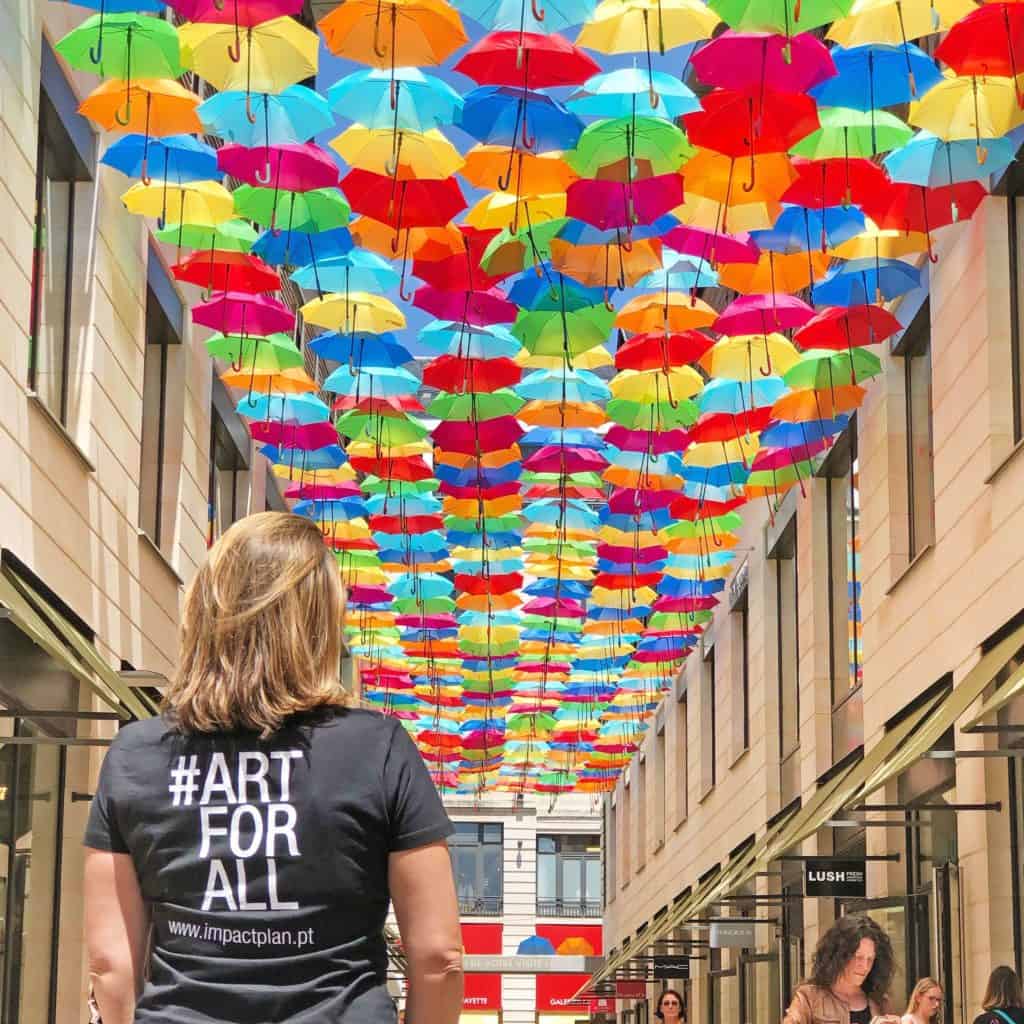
(357, 271)
(578, 437)
(734, 396)
(175, 158)
(551, 290)
(294, 247)
(500, 115)
(484, 342)
(329, 457)
(360, 349)
(877, 75)
(541, 16)
(800, 229)
(680, 273)
(564, 385)
(339, 509)
(294, 115)
(379, 380)
(858, 282)
(795, 435)
(284, 408)
(422, 101)
(577, 233)
(626, 92)
(930, 161)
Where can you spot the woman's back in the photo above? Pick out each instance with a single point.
(265, 862)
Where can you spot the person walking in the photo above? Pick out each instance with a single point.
(1004, 999)
(243, 847)
(850, 976)
(925, 1004)
(670, 1007)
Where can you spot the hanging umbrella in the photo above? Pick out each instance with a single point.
(152, 107)
(241, 314)
(656, 144)
(400, 155)
(224, 271)
(972, 107)
(299, 409)
(421, 101)
(357, 311)
(810, 404)
(296, 114)
(896, 21)
(536, 16)
(205, 203)
(745, 356)
(314, 211)
(627, 92)
(931, 161)
(291, 247)
(532, 173)
(480, 307)
(988, 41)
(292, 167)
(857, 282)
(775, 273)
(360, 349)
(403, 204)
(847, 327)
(760, 60)
(753, 314)
(514, 117)
(649, 351)
(271, 353)
(800, 229)
(176, 158)
(877, 75)
(730, 182)
(609, 265)
(835, 182)
(105, 7)
(786, 16)
(293, 381)
(823, 370)
(611, 204)
(916, 208)
(846, 133)
(357, 270)
(530, 60)
(124, 45)
(229, 235)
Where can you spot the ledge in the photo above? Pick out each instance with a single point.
(906, 570)
(36, 402)
(1005, 461)
(148, 542)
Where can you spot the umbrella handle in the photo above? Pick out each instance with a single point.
(249, 113)
(96, 53)
(144, 176)
(218, 5)
(377, 49)
(126, 119)
(538, 12)
(607, 301)
(235, 54)
(264, 177)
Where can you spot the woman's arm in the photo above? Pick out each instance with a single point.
(423, 892)
(116, 933)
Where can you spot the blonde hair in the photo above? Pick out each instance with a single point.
(261, 630)
(919, 990)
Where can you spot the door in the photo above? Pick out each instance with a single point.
(947, 940)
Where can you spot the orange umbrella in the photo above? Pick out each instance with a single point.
(800, 406)
(146, 106)
(717, 176)
(575, 945)
(532, 174)
(294, 381)
(674, 313)
(609, 265)
(774, 273)
(554, 414)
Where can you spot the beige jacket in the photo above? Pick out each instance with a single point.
(813, 1005)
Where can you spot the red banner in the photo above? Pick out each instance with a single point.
(631, 989)
(557, 934)
(482, 991)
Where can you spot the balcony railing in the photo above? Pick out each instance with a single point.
(568, 908)
(480, 906)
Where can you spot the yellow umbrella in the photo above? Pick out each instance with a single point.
(877, 243)
(359, 311)
(897, 21)
(608, 265)
(714, 453)
(653, 385)
(500, 210)
(201, 203)
(403, 155)
(592, 359)
(532, 173)
(677, 312)
(710, 214)
(631, 26)
(969, 107)
(745, 356)
(263, 58)
(293, 381)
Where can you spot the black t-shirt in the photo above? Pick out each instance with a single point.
(861, 1016)
(1015, 1013)
(265, 863)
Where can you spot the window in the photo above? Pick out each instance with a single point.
(229, 481)
(640, 809)
(568, 876)
(741, 673)
(160, 401)
(915, 348)
(787, 656)
(659, 781)
(682, 757)
(1015, 227)
(611, 851)
(625, 831)
(64, 157)
(477, 850)
(708, 730)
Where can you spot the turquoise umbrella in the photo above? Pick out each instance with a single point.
(421, 101)
(294, 115)
(928, 160)
(357, 271)
(626, 92)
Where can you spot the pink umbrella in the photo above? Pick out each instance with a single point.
(762, 314)
(658, 442)
(713, 246)
(297, 167)
(237, 313)
(426, 621)
(628, 500)
(684, 604)
(617, 204)
(322, 492)
(306, 436)
(235, 12)
(778, 458)
(369, 595)
(487, 435)
(760, 60)
(562, 607)
(479, 308)
(555, 458)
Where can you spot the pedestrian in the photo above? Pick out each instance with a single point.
(671, 1008)
(1004, 999)
(925, 1005)
(251, 837)
(850, 975)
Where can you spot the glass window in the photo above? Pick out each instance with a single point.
(569, 876)
(477, 852)
(787, 640)
(59, 172)
(709, 730)
(1015, 225)
(228, 484)
(682, 765)
(741, 673)
(659, 783)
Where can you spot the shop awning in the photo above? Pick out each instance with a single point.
(945, 714)
(54, 634)
(1012, 687)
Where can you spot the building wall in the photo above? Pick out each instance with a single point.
(921, 620)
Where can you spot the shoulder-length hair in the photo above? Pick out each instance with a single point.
(1003, 990)
(916, 996)
(261, 630)
(837, 947)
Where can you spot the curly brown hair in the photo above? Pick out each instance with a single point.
(837, 947)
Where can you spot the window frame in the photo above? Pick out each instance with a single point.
(477, 904)
(739, 611)
(786, 549)
(589, 904)
(1015, 195)
(709, 716)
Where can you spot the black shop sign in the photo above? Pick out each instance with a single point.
(668, 967)
(835, 878)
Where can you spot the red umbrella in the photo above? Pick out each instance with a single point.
(498, 583)
(657, 351)
(426, 202)
(725, 426)
(381, 404)
(479, 308)
(685, 507)
(290, 168)
(221, 270)
(713, 246)
(458, 375)
(486, 435)
(836, 181)
(406, 524)
(840, 327)
(988, 41)
(918, 208)
(762, 314)
(458, 272)
(476, 491)
(760, 60)
(391, 467)
(238, 313)
(614, 204)
(528, 59)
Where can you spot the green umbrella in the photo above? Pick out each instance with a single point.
(795, 473)
(579, 479)
(853, 133)
(493, 524)
(673, 620)
(273, 353)
(427, 605)
(361, 560)
(483, 406)
(127, 46)
(820, 368)
(512, 251)
(787, 17)
(546, 546)
(231, 236)
(653, 415)
(688, 529)
(318, 210)
(385, 431)
(550, 332)
(650, 139)
(398, 488)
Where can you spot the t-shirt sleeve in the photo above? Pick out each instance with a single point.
(103, 831)
(416, 815)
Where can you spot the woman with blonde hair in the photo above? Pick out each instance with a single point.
(1004, 998)
(925, 1004)
(244, 846)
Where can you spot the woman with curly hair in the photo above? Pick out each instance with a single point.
(850, 975)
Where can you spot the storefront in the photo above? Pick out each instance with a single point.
(481, 1000)
(556, 1002)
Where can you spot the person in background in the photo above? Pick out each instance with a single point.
(243, 847)
(1004, 999)
(850, 976)
(670, 1007)
(925, 1005)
